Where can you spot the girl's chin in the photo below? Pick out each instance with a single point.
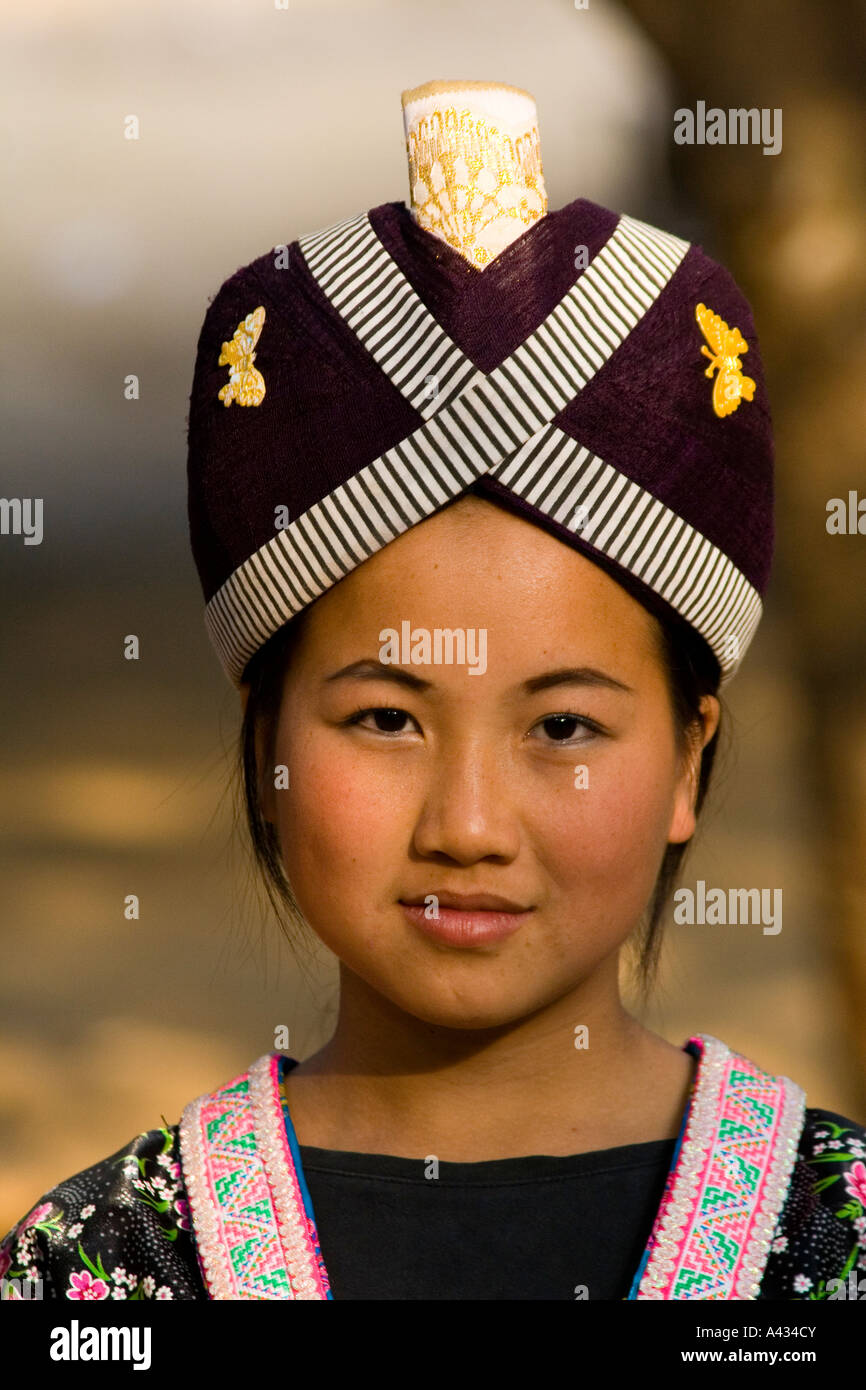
(464, 1005)
(460, 1021)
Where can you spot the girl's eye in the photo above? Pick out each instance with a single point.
(560, 727)
(388, 720)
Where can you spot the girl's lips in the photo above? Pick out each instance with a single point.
(465, 926)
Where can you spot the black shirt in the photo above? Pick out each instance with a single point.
(489, 1230)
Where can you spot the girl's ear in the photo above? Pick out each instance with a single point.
(683, 820)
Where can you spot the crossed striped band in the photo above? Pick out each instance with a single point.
(496, 424)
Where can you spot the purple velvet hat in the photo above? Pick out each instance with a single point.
(600, 377)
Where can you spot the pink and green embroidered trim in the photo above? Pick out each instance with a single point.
(253, 1236)
(725, 1193)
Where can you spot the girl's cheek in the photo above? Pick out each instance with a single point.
(611, 817)
(339, 803)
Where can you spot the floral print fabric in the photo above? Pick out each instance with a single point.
(821, 1234)
(118, 1230)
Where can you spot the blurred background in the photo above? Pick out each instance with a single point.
(258, 125)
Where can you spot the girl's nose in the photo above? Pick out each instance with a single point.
(466, 809)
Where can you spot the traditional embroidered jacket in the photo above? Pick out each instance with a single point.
(765, 1199)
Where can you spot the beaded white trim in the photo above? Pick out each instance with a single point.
(213, 1256)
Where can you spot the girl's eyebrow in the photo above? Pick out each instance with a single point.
(368, 668)
(575, 675)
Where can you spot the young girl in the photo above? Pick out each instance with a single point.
(482, 532)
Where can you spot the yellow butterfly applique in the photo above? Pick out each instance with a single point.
(246, 385)
(730, 386)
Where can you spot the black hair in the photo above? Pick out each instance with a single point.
(691, 670)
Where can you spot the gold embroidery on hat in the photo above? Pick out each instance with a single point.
(246, 385)
(462, 173)
(730, 386)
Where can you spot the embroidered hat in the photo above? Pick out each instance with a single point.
(591, 378)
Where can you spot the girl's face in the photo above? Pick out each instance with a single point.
(469, 781)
